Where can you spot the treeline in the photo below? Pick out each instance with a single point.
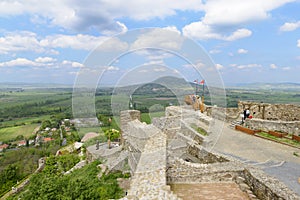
(34, 109)
(15, 165)
(80, 184)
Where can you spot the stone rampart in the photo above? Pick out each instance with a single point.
(267, 187)
(149, 178)
(283, 112)
(224, 114)
(270, 125)
(180, 171)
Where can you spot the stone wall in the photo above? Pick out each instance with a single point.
(149, 178)
(270, 125)
(284, 112)
(225, 114)
(180, 171)
(204, 156)
(125, 117)
(267, 187)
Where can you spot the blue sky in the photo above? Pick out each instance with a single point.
(249, 41)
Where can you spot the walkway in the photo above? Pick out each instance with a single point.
(275, 159)
(209, 191)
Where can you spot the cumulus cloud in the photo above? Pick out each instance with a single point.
(79, 41)
(238, 34)
(25, 41)
(19, 62)
(290, 26)
(219, 66)
(223, 18)
(202, 31)
(95, 14)
(168, 37)
(44, 59)
(20, 41)
(242, 51)
(41, 62)
(273, 66)
(236, 12)
(112, 68)
(72, 64)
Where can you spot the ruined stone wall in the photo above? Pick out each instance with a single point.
(267, 187)
(284, 112)
(149, 178)
(180, 171)
(270, 125)
(227, 114)
(125, 117)
(204, 156)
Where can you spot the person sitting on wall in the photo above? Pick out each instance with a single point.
(247, 113)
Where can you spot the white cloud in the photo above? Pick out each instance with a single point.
(242, 51)
(215, 51)
(79, 41)
(19, 62)
(160, 69)
(25, 41)
(95, 14)
(286, 68)
(248, 66)
(236, 12)
(44, 59)
(273, 66)
(112, 44)
(168, 37)
(41, 62)
(219, 66)
(298, 43)
(112, 68)
(202, 31)
(197, 65)
(238, 34)
(223, 18)
(20, 41)
(72, 64)
(290, 26)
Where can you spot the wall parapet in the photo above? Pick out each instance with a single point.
(291, 127)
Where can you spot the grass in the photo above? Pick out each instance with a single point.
(11, 133)
(27, 120)
(199, 130)
(146, 117)
(283, 140)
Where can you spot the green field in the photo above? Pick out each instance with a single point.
(10, 133)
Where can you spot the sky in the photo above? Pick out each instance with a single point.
(52, 41)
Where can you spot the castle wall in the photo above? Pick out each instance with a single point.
(291, 127)
(283, 112)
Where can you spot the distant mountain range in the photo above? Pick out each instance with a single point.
(269, 86)
(170, 81)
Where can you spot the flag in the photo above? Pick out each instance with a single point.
(201, 82)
